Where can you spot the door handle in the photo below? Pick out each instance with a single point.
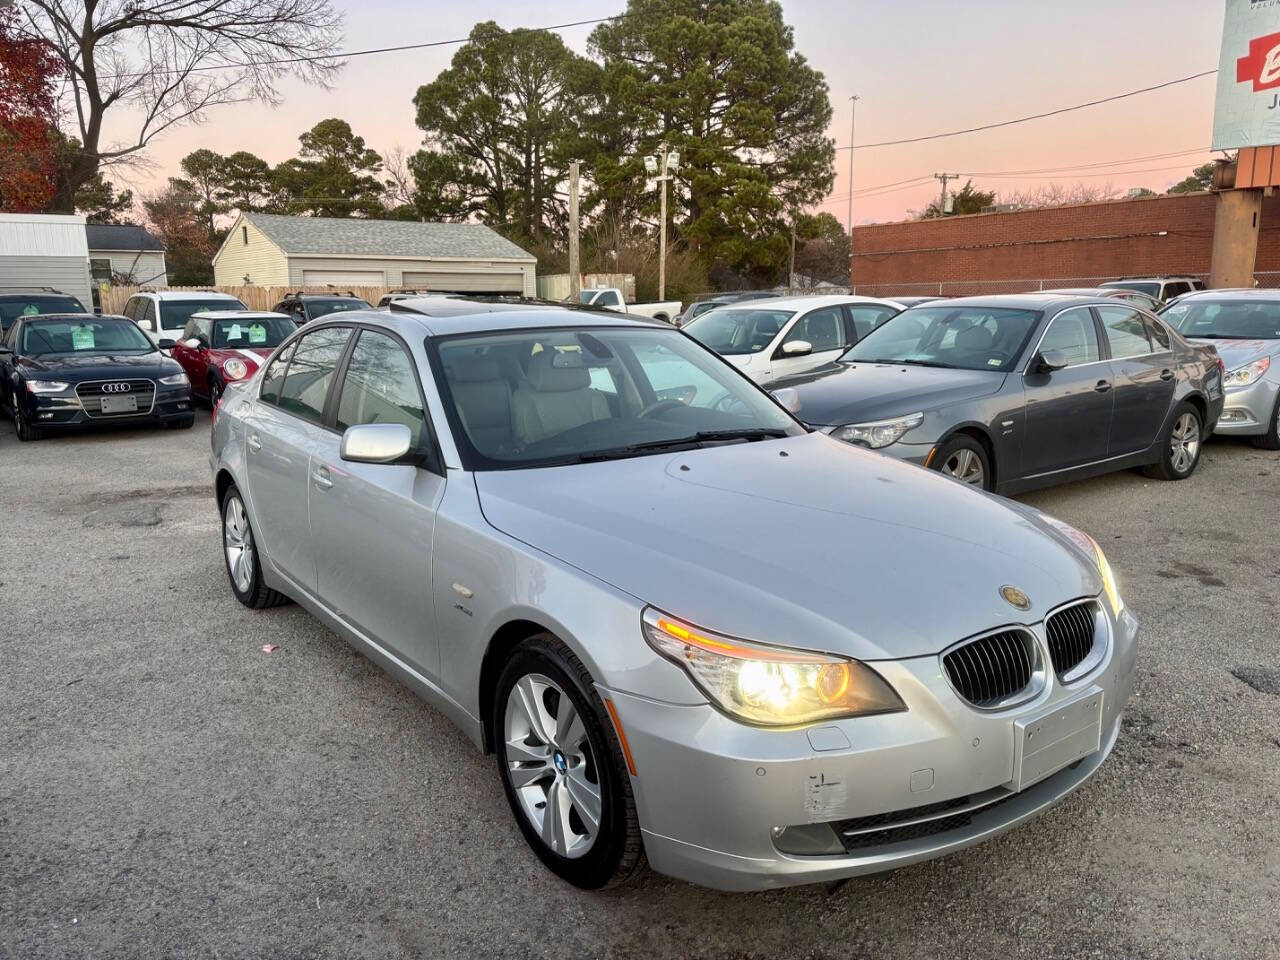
(254, 443)
(321, 477)
(1166, 374)
(1102, 386)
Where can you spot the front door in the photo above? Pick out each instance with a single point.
(1144, 380)
(1068, 411)
(372, 524)
(824, 330)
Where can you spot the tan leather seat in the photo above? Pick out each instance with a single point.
(483, 398)
(557, 396)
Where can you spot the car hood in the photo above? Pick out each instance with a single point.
(88, 367)
(802, 541)
(838, 393)
(1236, 353)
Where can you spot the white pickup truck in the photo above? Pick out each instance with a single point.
(611, 299)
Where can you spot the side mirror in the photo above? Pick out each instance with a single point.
(1049, 361)
(797, 348)
(789, 399)
(166, 343)
(376, 442)
(192, 343)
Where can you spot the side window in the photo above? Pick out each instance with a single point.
(1126, 332)
(1159, 335)
(280, 307)
(866, 319)
(1074, 335)
(823, 328)
(189, 330)
(610, 299)
(1176, 289)
(131, 308)
(204, 330)
(273, 376)
(147, 316)
(380, 386)
(315, 361)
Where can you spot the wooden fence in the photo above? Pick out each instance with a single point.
(255, 298)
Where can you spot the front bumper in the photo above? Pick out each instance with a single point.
(1247, 411)
(49, 411)
(731, 806)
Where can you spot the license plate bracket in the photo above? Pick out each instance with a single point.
(1056, 738)
(125, 404)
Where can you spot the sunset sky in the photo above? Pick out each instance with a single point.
(921, 67)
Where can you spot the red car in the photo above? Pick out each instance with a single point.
(219, 346)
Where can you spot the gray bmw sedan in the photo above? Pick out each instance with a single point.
(1009, 393)
(690, 631)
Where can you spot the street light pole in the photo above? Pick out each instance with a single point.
(853, 120)
(662, 230)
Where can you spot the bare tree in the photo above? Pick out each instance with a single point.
(399, 186)
(168, 61)
(1060, 194)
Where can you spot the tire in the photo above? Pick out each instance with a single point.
(26, 433)
(186, 423)
(1180, 449)
(216, 389)
(1271, 439)
(538, 678)
(965, 459)
(240, 553)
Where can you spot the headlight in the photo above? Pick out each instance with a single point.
(770, 685)
(235, 369)
(177, 380)
(879, 433)
(1249, 373)
(46, 386)
(1090, 546)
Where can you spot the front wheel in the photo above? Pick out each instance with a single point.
(963, 458)
(1180, 451)
(25, 431)
(215, 392)
(561, 767)
(1271, 439)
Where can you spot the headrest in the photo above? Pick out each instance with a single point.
(974, 338)
(553, 371)
(473, 369)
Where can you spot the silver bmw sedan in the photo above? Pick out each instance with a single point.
(690, 631)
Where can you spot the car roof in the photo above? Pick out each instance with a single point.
(803, 302)
(186, 294)
(238, 314)
(513, 317)
(72, 315)
(1262, 295)
(323, 296)
(1019, 301)
(28, 291)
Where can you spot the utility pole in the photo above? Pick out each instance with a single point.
(791, 275)
(575, 268)
(942, 199)
(853, 121)
(662, 230)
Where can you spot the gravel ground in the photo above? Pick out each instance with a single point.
(168, 790)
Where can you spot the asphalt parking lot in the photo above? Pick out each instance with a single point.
(169, 790)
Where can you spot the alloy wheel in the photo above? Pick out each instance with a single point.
(238, 538)
(552, 766)
(966, 466)
(1185, 443)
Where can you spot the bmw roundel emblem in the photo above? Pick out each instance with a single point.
(1015, 597)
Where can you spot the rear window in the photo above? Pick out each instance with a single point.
(11, 307)
(322, 308)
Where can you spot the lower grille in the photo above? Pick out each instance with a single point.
(995, 670)
(1072, 633)
(92, 392)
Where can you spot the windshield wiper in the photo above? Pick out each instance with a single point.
(916, 363)
(691, 440)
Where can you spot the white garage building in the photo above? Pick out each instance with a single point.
(270, 250)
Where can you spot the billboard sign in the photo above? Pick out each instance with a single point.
(1246, 112)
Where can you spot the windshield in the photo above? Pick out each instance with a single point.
(965, 337)
(1142, 286)
(103, 335)
(174, 314)
(544, 397)
(251, 332)
(1225, 319)
(13, 307)
(586, 296)
(322, 308)
(737, 330)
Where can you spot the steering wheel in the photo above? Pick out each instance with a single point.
(657, 405)
(727, 403)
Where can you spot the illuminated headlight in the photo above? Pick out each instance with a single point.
(767, 685)
(1249, 373)
(46, 386)
(1090, 546)
(879, 433)
(235, 369)
(176, 380)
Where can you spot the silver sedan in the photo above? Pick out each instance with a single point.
(689, 630)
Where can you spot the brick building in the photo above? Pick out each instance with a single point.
(1061, 246)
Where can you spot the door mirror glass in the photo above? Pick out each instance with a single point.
(788, 398)
(797, 348)
(192, 343)
(167, 343)
(376, 442)
(1050, 360)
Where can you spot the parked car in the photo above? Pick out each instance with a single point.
(1014, 392)
(699, 307)
(221, 346)
(1163, 289)
(164, 313)
(403, 294)
(18, 302)
(611, 299)
(770, 339)
(77, 370)
(305, 307)
(1244, 326)
(682, 639)
(905, 302)
(1136, 297)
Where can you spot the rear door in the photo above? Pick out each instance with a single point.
(1143, 376)
(865, 317)
(372, 524)
(284, 431)
(824, 329)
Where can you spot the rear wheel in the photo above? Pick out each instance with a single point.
(1271, 439)
(1180, 451)
(963, 458)
(240, 551)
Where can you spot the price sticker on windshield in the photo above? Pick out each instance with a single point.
(257, 333)
(81, 338)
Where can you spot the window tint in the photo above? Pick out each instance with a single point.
(380, 386)
(147, 315)
(1074, 335)
(131, 308)
(315, 360)
(824, 329)
(1126, 331)
(273, 376)
(1159, 335)
(610, 299)
(1176, 289)
(866, 319)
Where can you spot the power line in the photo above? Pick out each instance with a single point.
(1034, 116)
